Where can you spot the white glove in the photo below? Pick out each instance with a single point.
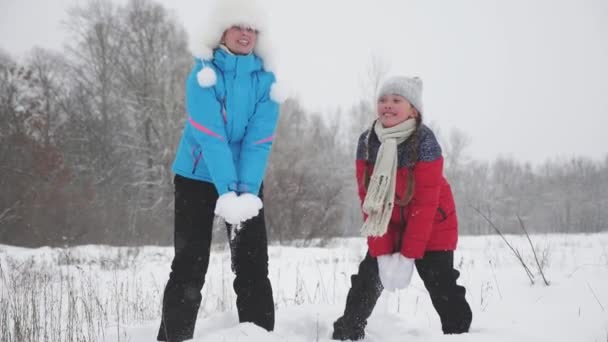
(386, 264)
(226, 206)
(402, 273)
(250, 206)
(395, 271)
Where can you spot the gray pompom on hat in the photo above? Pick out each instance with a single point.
(408, 87)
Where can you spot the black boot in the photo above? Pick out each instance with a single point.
(343, 331)
(194, 206)
(360, 302)
(249, 249)
(439, 276)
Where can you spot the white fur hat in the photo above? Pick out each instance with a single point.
(225, 14)
(228, 13)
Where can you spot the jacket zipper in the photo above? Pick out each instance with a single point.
(197, 159)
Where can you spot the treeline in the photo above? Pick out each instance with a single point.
(88, 134)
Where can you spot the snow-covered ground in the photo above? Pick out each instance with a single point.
(98, 293)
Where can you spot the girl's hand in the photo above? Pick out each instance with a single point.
(386, 266)
(395, 271)
(402, 275)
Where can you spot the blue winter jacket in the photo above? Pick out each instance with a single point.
(230, 126)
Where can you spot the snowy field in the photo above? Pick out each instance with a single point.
(97, 293)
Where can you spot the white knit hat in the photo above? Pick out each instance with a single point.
(408, 87)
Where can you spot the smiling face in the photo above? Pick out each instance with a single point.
(394, 109)
(240, 40)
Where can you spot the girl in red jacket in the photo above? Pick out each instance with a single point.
(409, 212)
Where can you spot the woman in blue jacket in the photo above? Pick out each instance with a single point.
(219, 167)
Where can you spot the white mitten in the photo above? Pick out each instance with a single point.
(250, 206)
(227, 207)
(386, 265)
(402, 273)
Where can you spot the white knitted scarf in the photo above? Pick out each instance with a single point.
(380, 198)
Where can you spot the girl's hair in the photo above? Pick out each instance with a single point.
(414, 141)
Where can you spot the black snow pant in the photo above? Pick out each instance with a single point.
(439, 276)
(194, 215)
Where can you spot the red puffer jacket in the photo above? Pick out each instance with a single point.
(428, 221)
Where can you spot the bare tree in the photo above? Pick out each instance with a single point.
(153, 66)
(95, 50)
(304, 189)
(48, 68)
(376, 72)
(455, 151)
(33, 170)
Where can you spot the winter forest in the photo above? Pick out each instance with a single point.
(88, 135)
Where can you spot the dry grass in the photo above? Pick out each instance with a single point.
(65, 299)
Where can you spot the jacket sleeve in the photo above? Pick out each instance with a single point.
(259, 135)
(428, 175)
(379, 245)
(206, 121)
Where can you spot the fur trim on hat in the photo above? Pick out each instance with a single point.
(224, 15)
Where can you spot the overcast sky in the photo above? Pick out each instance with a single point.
(523, 78)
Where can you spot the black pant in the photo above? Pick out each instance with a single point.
(194, 214)
(439, 276)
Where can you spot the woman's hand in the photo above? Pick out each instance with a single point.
(250, 205)
(226, 207)
(237, 209)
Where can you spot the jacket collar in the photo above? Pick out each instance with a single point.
(239, 64)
